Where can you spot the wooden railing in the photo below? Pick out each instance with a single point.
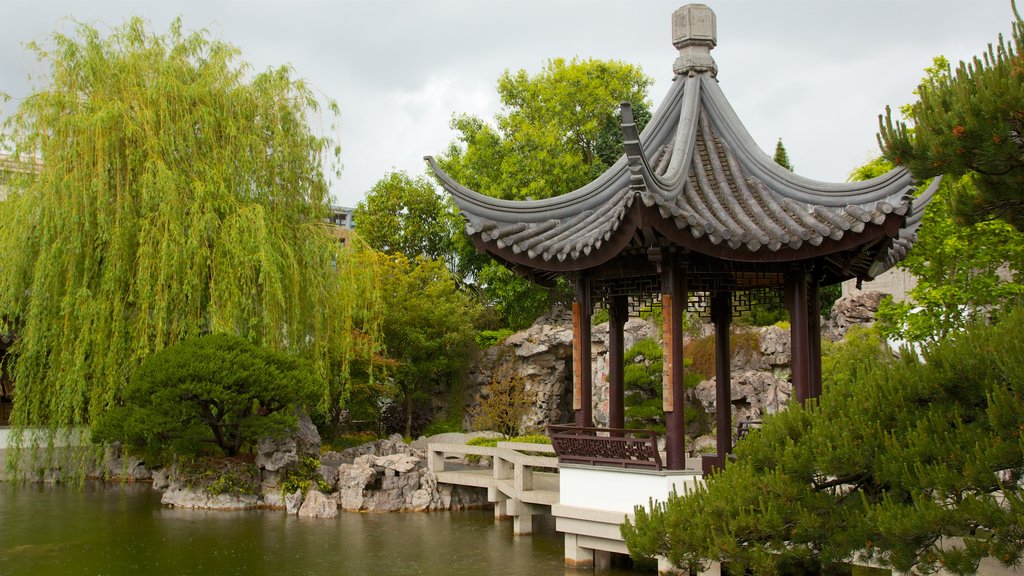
(618, 447)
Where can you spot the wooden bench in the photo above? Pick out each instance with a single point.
(618, 447)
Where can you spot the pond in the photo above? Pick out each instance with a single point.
(122, 529)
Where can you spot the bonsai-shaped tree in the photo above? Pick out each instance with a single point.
(212, 395)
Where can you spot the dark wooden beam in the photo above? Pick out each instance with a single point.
(582, 376)
(721, 315)
(796, 301)
(618, 313)
(814, 337)
(673, 300)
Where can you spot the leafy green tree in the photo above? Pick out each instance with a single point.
(965, 272)
(557, 131)
(781, 157)
(506, 401)
(215, 394)
(405, 215)
(909, 464)
(178, 194)
(427, 329)
(970, 123)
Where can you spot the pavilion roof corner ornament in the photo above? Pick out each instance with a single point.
(694, 34)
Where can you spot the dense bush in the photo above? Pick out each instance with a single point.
(212, 395)
(898, 460)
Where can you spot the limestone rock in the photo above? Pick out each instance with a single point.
(117, 466)
(162, 478)
(293, 502)
(754, 395)
(276, 453)
(858, 307)
(317, 505)
(180, 496)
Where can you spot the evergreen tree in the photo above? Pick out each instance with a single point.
(910, 464)
(970, 123)
(781, 157)
(178, 194)
(642, 383)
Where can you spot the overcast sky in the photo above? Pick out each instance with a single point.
(815, 73)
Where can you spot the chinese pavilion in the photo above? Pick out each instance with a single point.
(694, 215)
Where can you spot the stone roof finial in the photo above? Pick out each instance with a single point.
(694, 33)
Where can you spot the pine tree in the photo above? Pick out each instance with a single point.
(781, 157)
(898, 459)
(970, 122)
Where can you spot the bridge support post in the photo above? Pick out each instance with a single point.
(575, 555)
(522, 517)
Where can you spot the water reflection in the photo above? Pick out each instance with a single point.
(114, 529)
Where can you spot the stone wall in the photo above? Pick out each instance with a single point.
(542, 354)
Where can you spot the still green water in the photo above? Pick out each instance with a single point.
(106, 529)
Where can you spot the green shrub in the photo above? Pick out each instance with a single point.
(302, 476)
(220, 475)
(212, 395)
(487, 338)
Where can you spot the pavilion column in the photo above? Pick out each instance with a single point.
(582, 375)
(673, 301)
(721, 315)
(799, 328)
(618, 313)
(814, 337)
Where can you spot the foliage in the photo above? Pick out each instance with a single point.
(969, 123)
(427, 329)
(208, 395)
(898, 458)
(405, 215)
(221, 475)
(558, 130)
(504, 402)
(965, 272)
(518, 301)
(443, 426)
(703, 353)
(178, 194)
(302, 476)
(781, 157)
(487, 338)
(493, 441)
(642, 385)
(552, 135)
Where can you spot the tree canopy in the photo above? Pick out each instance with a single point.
(406, 215)
(905, 463)
(217, 392)
(970, 122)
(178, 194)
(558, 130)
(427, 329)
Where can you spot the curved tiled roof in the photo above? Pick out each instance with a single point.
(696, 177)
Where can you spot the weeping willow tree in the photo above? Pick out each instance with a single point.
(178, 193)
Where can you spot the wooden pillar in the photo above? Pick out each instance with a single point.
(721, 315)
(618, 313)
(796, 300)
(814, 337)
(582, 375)
(673, 301)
